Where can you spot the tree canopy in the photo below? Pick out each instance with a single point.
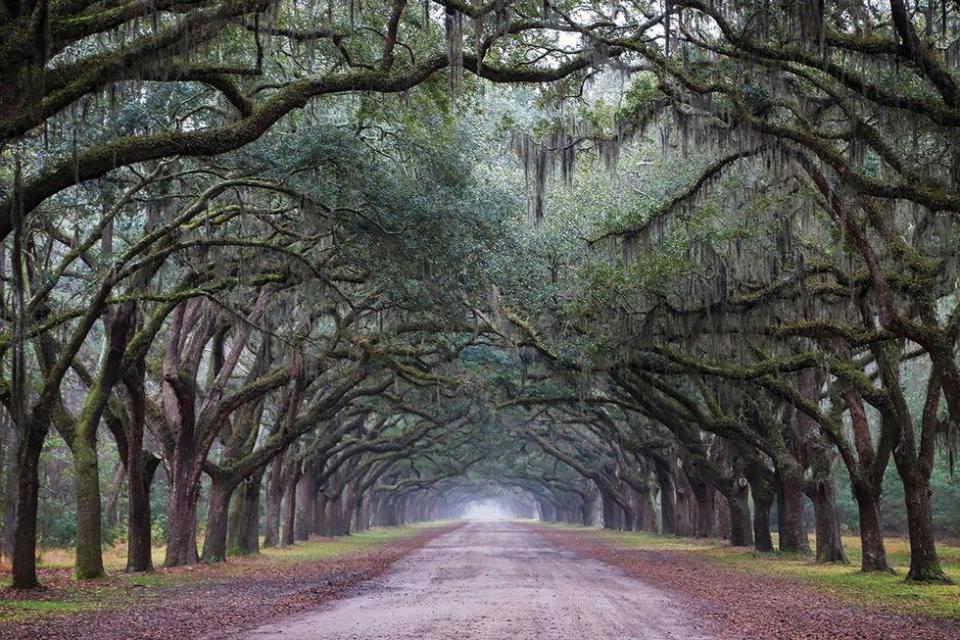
(674, 265)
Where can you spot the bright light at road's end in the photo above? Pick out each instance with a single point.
(485, 511)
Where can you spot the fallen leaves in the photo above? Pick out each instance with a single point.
(214, 602)
(737, 605)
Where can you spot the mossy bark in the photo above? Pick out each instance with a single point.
(924, 560)
(89, 556)
(243, 531)
(822, 491)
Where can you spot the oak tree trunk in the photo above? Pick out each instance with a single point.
(289, 509)
(24, 556)
(763, 495)
(9, 516)
(668, 499)
(273, 499)
(706, 521)
(305, 504)
(140, 472)
(141, 467)
(790, 522)
(243, 533)
(874, 556)
(924, 561)
(89, 555)
(182, 524)
(741, 526)
(827, 522)
(215, 540)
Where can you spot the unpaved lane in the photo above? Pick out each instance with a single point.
(495, 581)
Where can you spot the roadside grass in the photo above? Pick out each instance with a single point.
(23, 610)
(63, 595)
(844, 582)
(114, 557)
(322, 548)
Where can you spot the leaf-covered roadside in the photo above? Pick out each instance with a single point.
(206, 601)
(763, 606)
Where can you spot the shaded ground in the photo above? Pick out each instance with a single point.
(496, 580)
(480, 581)
(204, 602)
(742, 605)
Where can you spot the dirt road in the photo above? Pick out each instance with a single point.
(495, 581)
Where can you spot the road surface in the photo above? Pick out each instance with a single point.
(495, 581)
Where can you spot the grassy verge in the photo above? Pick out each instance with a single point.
(845, 582)
(62, 595)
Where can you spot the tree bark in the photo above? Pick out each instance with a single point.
(763, 496)
(362, 513)
(762, 539)
(24, 558)
(111, 507)
(914, 461)
(668, 498)
(588, 508)
(139, 518)
(827, 519)
(706, 521)
(182, 523)
(741, 527)
(790, 521)
(646, 512)
(340, 511)
(10, 488)
(924, 561)
(322, 517)
(609, 512)
(685, 510)
(215, 541)
(141, 467)
(243, 533)
(874, 556)
(305, 503)
(89, 556)
(289, 507)
(273, 498)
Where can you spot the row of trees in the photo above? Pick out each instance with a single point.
(220, 260)
(781, 299)
(268, 245)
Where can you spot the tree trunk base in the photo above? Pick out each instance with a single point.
(931, 577)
